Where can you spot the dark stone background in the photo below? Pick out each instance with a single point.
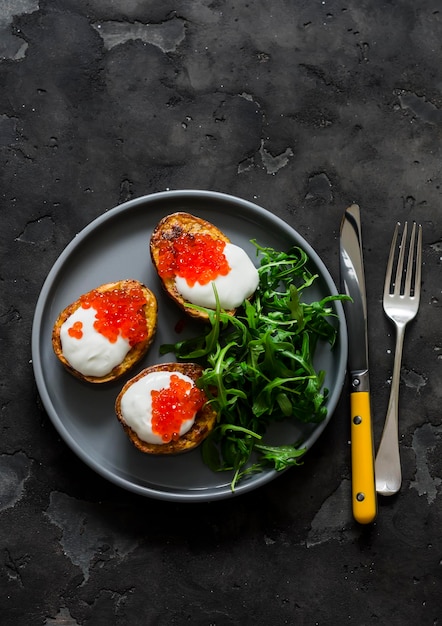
(302, 107)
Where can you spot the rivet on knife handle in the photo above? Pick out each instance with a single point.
(364, 502)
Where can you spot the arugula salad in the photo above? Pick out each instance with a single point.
(258, 365)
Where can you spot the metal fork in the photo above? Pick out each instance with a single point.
(401, 303)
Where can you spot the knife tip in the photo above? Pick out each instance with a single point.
(354, 209)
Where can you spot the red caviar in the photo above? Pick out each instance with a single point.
(76, 330)
(173, 405)
(195, 257)
(118, 312)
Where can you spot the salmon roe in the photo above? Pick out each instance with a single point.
(76, 330)
(118, 312)
(195, 257)
(173, 405)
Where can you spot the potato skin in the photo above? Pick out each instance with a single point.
(169, 228)
(135, 354)
(204, 422)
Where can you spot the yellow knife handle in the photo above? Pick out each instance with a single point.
(364, 501)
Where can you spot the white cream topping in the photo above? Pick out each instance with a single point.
(136, 405)
(93, 354)
(238, 285)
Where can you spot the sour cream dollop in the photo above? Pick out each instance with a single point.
(92, 354)
(136, 405)
(233, 288)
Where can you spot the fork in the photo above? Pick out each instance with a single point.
(401, 303)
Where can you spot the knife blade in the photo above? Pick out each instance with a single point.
(364, 499)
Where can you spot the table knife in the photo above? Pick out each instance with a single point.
(364, 499)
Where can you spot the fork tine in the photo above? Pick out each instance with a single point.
(417, 279)
(409, 270)
(400, 262)
(389, 270)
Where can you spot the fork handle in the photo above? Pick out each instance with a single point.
(388, 463)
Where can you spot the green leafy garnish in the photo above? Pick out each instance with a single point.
(258, 365)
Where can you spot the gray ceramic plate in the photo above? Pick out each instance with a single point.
(116, 246)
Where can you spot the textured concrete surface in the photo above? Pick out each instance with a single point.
(302, 107)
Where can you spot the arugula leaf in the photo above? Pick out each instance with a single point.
(258, 365)
(282, 457)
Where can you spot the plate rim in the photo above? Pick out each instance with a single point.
(195, 495)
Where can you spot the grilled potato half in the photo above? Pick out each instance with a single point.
(205, 419)
(172, 227)
(149, 310)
